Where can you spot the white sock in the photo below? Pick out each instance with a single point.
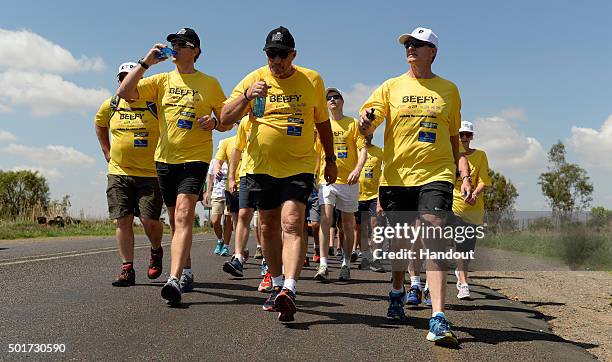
(397, 291)
(240, 257)
(220, 241)
(187, 271)
(464, 284)
(289, 284)
(415, 282)
(278, 281)
(441, 314)
(346, 261)
(323, 261)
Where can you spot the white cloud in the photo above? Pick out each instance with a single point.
(25, 50)
(356, 96)
(46, 94)
(593, 144)
(6, 136)
(51, 155)
(49, 173)
(506, 147)
(513, 113)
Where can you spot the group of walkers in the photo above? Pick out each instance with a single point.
(295, 158)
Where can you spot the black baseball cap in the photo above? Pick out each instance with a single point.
(186, 34)
(280, 38)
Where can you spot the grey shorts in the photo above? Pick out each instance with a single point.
(135, 195)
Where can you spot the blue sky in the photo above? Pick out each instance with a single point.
(529, 73)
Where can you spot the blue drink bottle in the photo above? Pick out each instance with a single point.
(259, 107)
(165, 53)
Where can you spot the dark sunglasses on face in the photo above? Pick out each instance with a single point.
(417, 43)
(273, 53)
(181, 44)
(466, 134)
(334, 96)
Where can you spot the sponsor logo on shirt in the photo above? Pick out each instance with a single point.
(431, 125)
(131, 116)
(185, 124)
(419, 99)
(139, 142)
(294, 131)
(281, 98)
(183, 92)
(429, 137)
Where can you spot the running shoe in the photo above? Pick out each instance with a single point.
(458, 282)
(266, 284)
(396, 306)
(364, 264)
(316, 258)
(127, 276)
(155, 263)
(322, 273)
(233, 267)
(376, 266)
(258, 253)
(414, 295)
(186, 283)
(224, 251)
(464, 292)
(427, 297)
(218, 247)
(268, 305)
(345, 274)
(440, 332)
(171, 291)
(306, 262)
(339, 253)
(331, 251)
(354, 256)
(284, 304)
(263, 269)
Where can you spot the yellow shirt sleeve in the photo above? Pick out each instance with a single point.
(379, 100)
(483, 174)
(241, 136)
(455, 115)
(222, 151)
(321, 113)
(103, 115)
(218, 97)
(148, 88)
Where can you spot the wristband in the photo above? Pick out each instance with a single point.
(468, 177)
(245, 96)
(144, 65)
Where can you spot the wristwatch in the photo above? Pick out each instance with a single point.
(331, 158)
(144, 65)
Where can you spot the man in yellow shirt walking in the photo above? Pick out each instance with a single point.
(286, 102)
(421, 157)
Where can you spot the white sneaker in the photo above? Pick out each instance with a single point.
(458, 282)
(464, 292)
(322, 273)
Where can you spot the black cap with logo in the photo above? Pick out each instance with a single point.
(186, 34)
(280, 38)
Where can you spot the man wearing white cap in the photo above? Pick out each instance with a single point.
(132, 183)
(421, 157)
(351, 154)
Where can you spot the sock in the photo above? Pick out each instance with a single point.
(438, 314)
(464, 284)
(415, 282)
(397, 291)
(173, 278)
(289, 284)
(258, 247)
(345, 260)
(278, 281)
(240, 257)
(157, 251)
(220, 241)
(323, 261)
(187, 272)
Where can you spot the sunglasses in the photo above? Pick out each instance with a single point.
(122, 76)
(466, 134)
(273, 53)
(415, 43)
(334, 96)
(182, 44)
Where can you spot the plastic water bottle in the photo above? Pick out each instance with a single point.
(165, 53)
(259, 107)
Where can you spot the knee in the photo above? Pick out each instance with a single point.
(292, 225)
(125, 222)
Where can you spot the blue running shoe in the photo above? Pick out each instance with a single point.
(218, 247)
(414, 296)
(264, 268)
(171, 291)
(269, 305)
(427, 298)
(440, 332)
(224, 250)
(186, 283)
(233, 267)
(396, 306)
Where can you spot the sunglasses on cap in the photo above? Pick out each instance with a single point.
(273, 53)
(181, 44)
(466, 134)
(333, 96)
(417, 43)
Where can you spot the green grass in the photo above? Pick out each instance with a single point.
(28, 229)
(578, 247)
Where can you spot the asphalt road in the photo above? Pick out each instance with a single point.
(59, 291)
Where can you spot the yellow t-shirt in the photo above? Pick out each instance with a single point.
(134, 135)
(281, 142)
(224, 153)
(182, 99)
(347, 140)
(242, 137)
(370, 175)
(421, 116)
(479, 172)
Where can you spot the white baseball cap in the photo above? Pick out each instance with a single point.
(332, 89)
(420, 33)
(466, 127)
(126, 67)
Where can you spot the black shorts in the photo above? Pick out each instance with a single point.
(245, 199)
(433, 198)
(265, 192)
(139, 196)
(183, 178)
(467, 243)
(231, 201)
(368, 206)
